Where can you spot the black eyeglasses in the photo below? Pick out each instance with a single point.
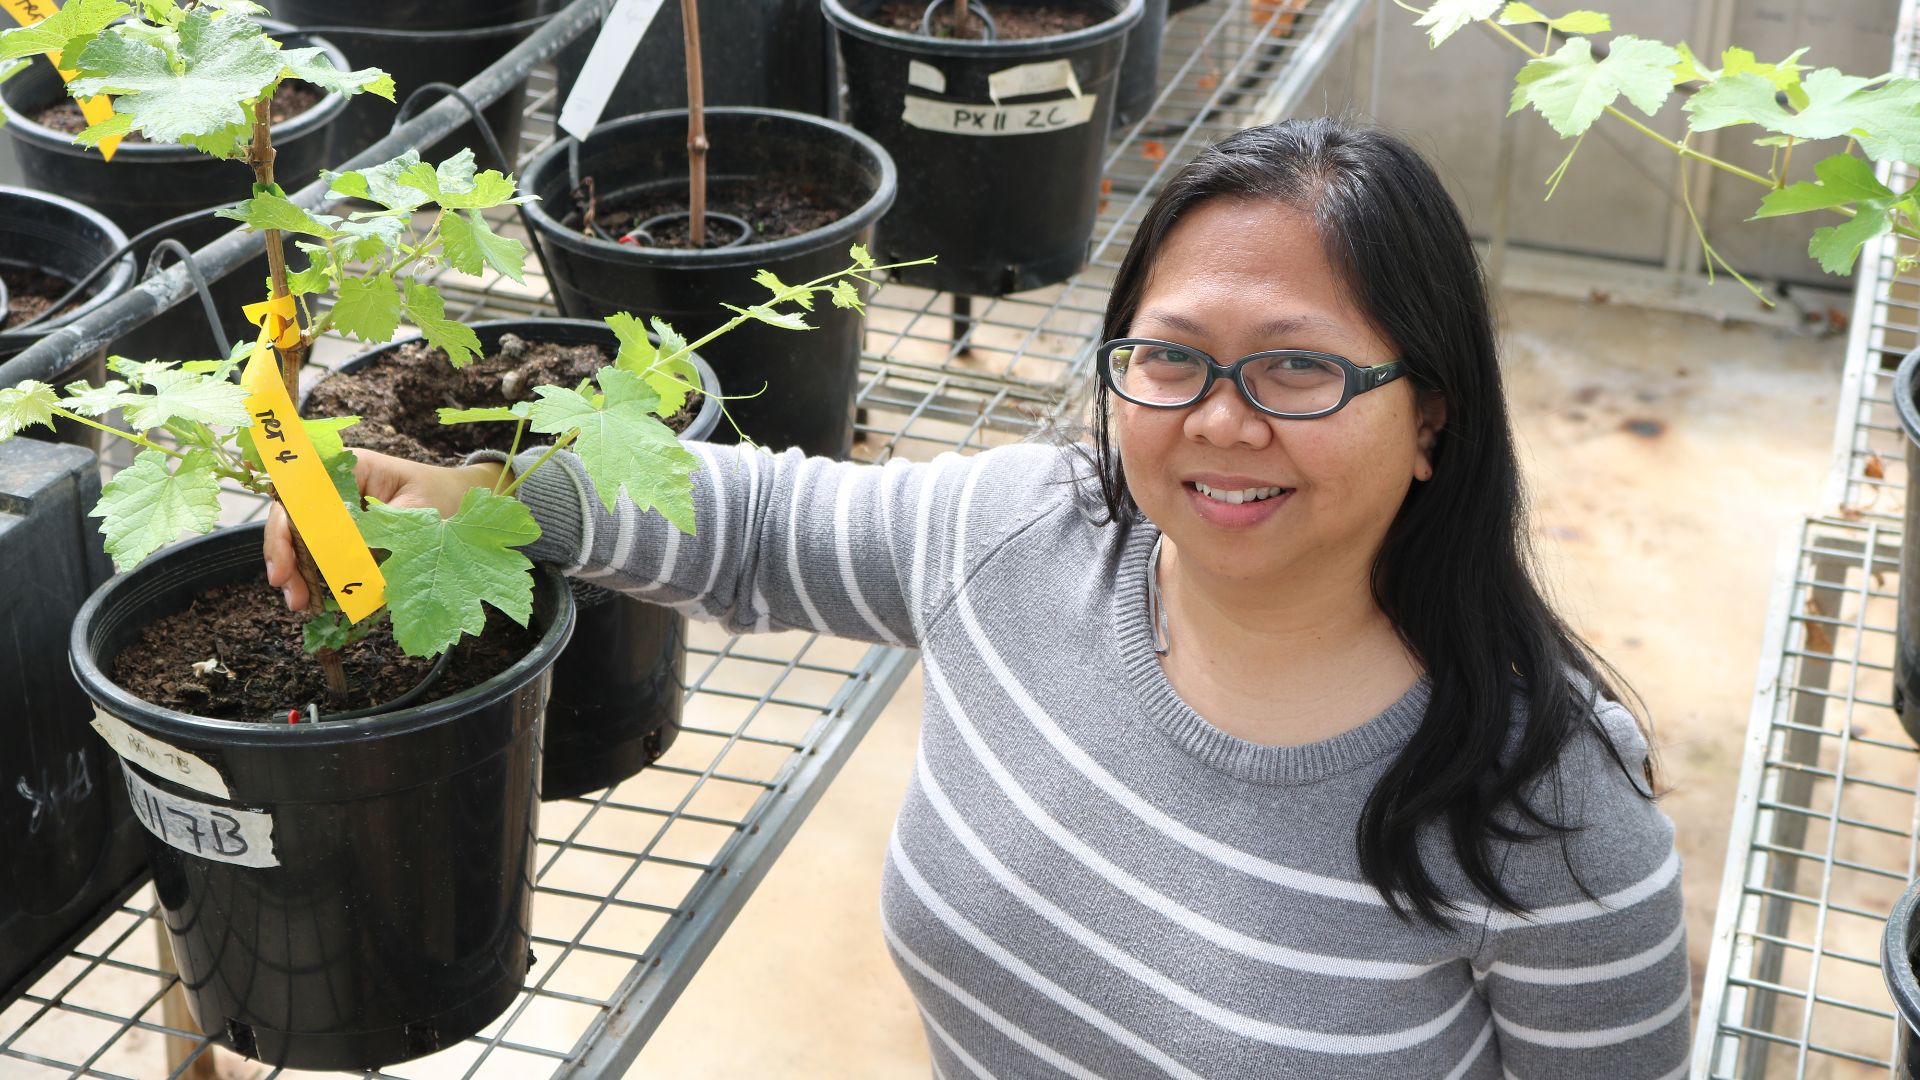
(1294, 384)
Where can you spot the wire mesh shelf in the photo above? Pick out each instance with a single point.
(635, 884)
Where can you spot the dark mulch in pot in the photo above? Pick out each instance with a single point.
(247, 627)
(1011, 22)
(289, 100)
(30, 292)
(399, 399)
(776, 207)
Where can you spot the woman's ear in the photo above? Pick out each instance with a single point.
(1433, 417)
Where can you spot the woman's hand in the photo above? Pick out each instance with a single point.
(394, 481)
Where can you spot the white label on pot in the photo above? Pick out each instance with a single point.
(959, 118)
(221, 833)
(620, 34)
(159, 758)
(926, 76)
(1042, 78)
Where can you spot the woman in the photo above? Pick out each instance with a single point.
(1274, 765)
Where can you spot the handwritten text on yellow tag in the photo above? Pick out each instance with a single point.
(95, 109)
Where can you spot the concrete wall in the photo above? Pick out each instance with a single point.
(1620, 199)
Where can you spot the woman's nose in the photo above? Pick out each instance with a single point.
(1224, 417)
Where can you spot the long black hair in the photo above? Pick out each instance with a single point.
(1454, 572)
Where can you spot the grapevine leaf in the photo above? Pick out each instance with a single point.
(519, 410)
(314, 279)
(79, 18)
(472, 246)
(1883, 114)
(327, 630)
(1571, 89)
(1836, 246)
(89, 400)
(1446, 17)
(674, 370)
(30, 402)
(625, 448)
(198, 92)
(1573, 22)
(1843, 179)
(145, 506)
(313, 66)
(785, 320)
(324, 431)
(637, 353)
(368, 308)
(340, 470)
(455, 186)
(426, 309)
(373, 235)
(845, 295)
(221, 368)
(440, 572)
(184, 395)
(380, 183)
(271, 210)
(858, 253)
(116, 126)
(1688, 69)
(783, 291)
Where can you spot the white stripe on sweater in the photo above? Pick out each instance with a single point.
(1385, 1042)
(1575, 976)
(843, 547)
(1596, 1037)
(916, 584)
(1473, 1052)
(794, 577)
(716, 523)
(953, 1046)
(1019, 968)
(1170, 909)
(757, 604)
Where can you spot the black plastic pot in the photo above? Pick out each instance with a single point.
(1005, 194)
(619, 687)
(1906, 653)
(1899, 951)
(148, 183)
(61, 237)
(809, 376)
(420, 42)
(396, 921)
(1140, 70)
(771, 54)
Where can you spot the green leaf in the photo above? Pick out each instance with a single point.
(670, 340)
(223, 62)
(312, 66)
(380, 183)
(439, 573)
(1446, 17)
(28, 403)
(182, 395)
(519, 410)
(88, 400)
(314, 279)
(331, 630)
(1573, 22)
(472, 246)
(845, 295)
(368, 308)
(858, 253)
(1836, 246)
(1571, 90)
(273, 210)
(1884, 115)
(116, 126)
(625, 448)
(78, 18)
(785, 320)
(455, 186)
(783, 291)
(673, 372)
(426, 309)
(637, 353)
(1843, 179)
(145, 506)
(340, 470)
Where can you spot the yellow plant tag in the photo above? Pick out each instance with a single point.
(95, 109)
(300, 478)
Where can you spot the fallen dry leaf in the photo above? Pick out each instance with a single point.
(1875, 468)
(1208, 81)
(1819, 638)
(1153, 150)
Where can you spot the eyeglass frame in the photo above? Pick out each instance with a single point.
(1358, 379)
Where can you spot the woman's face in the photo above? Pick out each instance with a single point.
(1238, 276)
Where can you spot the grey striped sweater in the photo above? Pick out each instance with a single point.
(1089, 880)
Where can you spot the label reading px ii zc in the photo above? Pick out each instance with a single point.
(220, 833)
(962, 118)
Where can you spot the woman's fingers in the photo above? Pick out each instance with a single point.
(277, 548)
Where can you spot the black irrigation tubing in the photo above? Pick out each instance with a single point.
(119, 253)
(179, 250)
(56, 352)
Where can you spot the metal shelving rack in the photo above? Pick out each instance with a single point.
(636, 884)
(1828, 805)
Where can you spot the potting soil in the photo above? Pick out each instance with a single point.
(776, 207)
(1011, 22)
(289, 100)
(407, 390)
(247, 628)
(30, 292)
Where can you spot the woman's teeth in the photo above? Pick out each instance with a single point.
(1243, 495)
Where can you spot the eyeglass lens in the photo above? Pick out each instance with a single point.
(1165, 375)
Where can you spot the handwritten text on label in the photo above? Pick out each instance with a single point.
(161, 758)
(221, 833)
(960, 118)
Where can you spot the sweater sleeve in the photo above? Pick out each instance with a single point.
(791, 542)
(1587, 987)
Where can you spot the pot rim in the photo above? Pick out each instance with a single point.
(844, 20)
(1905, 378)
(1896, 961)
(704, 422)
(325, 111)
(116, 280)
(845, 228)
(115, 699)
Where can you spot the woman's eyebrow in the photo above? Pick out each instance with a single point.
(1279, 326)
